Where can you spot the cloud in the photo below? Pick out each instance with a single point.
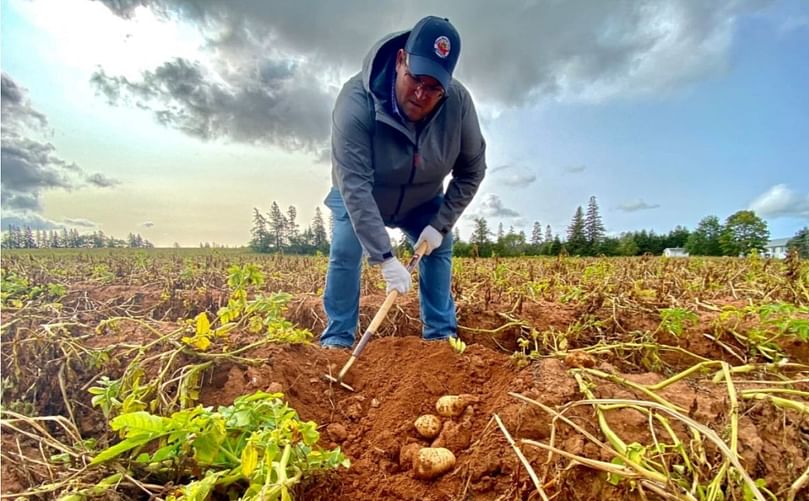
(147, 224)
(102, 181)
(275, 67)
(80, 222)
(574, 169)
(29, 164)
(515, 176)
(28, 219)
(17, 109)
(636, 205)
(272, 102)
(492, 206)
(780, 201)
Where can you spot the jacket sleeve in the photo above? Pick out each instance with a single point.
(468, 170)
(353, 171)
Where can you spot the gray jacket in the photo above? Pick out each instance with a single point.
(384, 167)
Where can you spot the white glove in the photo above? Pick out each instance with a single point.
(433, 237)
(396, 276)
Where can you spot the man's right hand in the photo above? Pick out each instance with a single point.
(396, 276)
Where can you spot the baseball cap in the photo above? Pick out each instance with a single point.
(434, 47)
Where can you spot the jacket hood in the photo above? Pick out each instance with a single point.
(379, 63)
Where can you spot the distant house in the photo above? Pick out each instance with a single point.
(776, 248)
(675, 252)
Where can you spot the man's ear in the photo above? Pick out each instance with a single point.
(400, 55)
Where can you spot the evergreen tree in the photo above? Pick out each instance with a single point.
(277, 227)
(742, 233)
(307, 237)
(261, 237)
(99, 239)
(548, 234)
(292, 225)
(576, 237)
(500, 233)
(593, 227)
(456, 235)
(704, 241)
(7, 240)
(319, 238)
(536, 234)
(28, 238)
(481, 233)
(555, 248)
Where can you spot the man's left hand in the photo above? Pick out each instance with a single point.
(433, 238)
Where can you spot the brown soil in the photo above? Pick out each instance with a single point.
(399, 377)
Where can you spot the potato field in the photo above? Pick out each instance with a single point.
(196, 374)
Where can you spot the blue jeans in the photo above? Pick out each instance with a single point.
(342, 295)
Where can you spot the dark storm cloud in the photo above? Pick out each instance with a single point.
(30, 165)
(271, 67)
(512, 52)
(272, 103)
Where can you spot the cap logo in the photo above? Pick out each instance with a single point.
(441, 47)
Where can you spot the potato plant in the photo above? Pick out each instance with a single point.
(255, 449)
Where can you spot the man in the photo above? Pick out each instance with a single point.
(399, 128)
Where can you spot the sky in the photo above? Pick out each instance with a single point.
(176, 118)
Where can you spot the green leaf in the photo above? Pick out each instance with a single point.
(61, 458)
(201, 489)
(71, 497)
(121, 447)
(206, 445)
(164, 453)
(105, 483)
(614, 478)
(135, 423)
(747, 492)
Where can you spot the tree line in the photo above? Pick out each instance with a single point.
(26, 238)
(742, 233)
(280, 232)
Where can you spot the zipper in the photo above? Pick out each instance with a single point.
(413, 167)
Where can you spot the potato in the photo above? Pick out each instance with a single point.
(428, 425)
(432, 462)
(453, 405)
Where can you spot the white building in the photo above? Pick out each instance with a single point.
(776, 248)
(675, 252)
